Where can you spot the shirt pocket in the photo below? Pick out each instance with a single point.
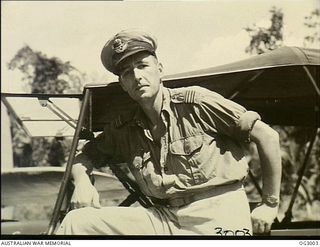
(186, 146)
(190, 157)
(139, 161)
(140, 158)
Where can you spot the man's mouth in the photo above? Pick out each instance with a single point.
(140, 87)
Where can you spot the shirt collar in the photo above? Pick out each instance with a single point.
(139, 116)
(166, 100)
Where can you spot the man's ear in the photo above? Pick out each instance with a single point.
(122, 84)
(160, 67)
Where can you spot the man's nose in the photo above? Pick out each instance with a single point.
(137, 74)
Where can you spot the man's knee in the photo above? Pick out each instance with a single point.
(77, 218)
(77, 221)
(79, 213)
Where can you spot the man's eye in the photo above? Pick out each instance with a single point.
(141, 66)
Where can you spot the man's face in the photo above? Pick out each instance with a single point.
(140, 76)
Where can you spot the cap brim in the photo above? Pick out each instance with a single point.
(130, 53)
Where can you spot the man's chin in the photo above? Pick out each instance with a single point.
(144, 96)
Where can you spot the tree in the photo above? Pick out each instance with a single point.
(43, 75)
(312, 22)
(263, 39)
(46, 75)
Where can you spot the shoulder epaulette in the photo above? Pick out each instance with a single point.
(184, 95)
(121, 121)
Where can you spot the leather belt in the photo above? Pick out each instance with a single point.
(190, 198)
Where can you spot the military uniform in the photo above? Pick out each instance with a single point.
(199, 157)
(199, 150)
(193, 175)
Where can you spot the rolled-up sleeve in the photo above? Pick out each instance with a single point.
(245, 125)
(224, 116)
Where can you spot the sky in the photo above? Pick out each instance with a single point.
(191, 34)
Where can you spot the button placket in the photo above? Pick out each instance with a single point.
(164, 146)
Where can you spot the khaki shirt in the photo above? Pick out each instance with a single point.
(201, 147)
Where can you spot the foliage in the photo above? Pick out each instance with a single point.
(294, 141)
(312, 22)
(43, 75)
(263, 39)
(46, 75)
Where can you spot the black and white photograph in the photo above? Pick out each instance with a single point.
(160, 120)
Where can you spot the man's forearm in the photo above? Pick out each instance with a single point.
(267, 141)
(270, 159)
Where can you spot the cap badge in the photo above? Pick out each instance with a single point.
(119, 45)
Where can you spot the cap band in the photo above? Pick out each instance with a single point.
(123, 45)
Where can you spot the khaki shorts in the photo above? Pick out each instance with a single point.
(226, 214)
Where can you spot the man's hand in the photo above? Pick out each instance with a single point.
(262, 217)
(85, 195)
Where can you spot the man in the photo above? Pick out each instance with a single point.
(183, 146)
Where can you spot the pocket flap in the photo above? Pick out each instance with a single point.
(186, 146)
(140, 158)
